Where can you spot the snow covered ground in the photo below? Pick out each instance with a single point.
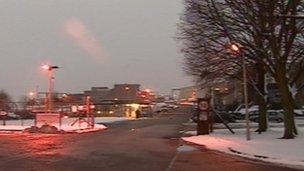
(267, 146)
(241, 124)
(19, 125)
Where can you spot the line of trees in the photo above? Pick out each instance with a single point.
(270, 43)
(5, 101)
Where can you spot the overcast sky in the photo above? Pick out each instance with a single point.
(95, 42)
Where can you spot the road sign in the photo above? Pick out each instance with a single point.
(203, 105)
(203, 123)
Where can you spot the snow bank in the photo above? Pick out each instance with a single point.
(20, 125)
(267, 146)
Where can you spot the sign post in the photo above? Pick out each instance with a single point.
(86, 110)
(203, 123)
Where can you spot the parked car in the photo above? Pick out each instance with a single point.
(227, 117)
(298, 112)
(241, 109)
(8, 115)
(25, 114)
(237, 115)
(172, 106)
(13, 116)
(146, 111)
(217, 117)
(160, 107)
(273, 116)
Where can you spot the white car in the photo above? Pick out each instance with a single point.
(299, 112)
(242, 110)
(160, 107)
(273, 116)
(13, 115)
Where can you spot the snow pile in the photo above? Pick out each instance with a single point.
(13, 127)
(267, 146)
(82, 127)
(79, 127)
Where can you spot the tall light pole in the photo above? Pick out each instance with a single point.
(32, 99)
(236, 48)
(50, 69)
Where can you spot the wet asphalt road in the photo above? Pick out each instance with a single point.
(148, 144)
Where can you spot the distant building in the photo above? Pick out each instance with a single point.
(190, 94)
(121, 100)
(98, 94)
(221, 94)
(124, 93)
(76, 99)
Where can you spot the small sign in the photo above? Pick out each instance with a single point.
(203, 105)
(74, 109)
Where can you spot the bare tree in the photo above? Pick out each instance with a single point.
(206, 38)
(5, 101)
(270, 44)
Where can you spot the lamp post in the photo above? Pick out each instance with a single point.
(236, 48)
(50, 69)
(32, 99)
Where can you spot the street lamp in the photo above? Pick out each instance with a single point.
(50, 69)
(236, 48)
(31, 99)
(31, 95)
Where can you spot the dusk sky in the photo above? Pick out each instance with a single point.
(95, 42)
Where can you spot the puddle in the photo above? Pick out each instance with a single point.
(186, 148)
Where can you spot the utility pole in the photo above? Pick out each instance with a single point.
(236, 48)
(246, 97)
(50, 69)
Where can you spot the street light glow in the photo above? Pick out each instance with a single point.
(31, 95)
(235, 48)
(64, 95)
(46, 67)
(49, 67)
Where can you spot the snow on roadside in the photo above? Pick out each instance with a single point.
(267, 146)
(19, 125)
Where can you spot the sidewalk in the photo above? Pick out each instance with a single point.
(267, 147)
(194, 158)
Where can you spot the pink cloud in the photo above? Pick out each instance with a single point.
(83, 38)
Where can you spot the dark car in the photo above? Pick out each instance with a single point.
(273, 116)
(25, 114)
(8, 115)
(220, 116)
(237, 115)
